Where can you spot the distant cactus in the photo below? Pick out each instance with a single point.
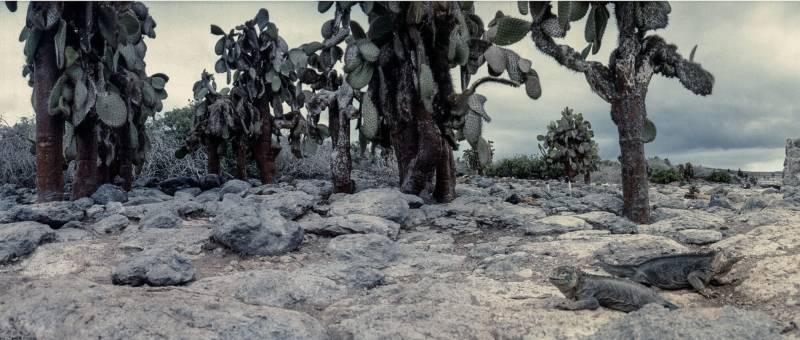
(569, 142)
(624, 81)
(262, 70)
(101, 97)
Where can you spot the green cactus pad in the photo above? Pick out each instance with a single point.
(496, 59)
(649, 133)
(511, 30)
(111, 109)
(369, 118)
(472, 127)
(369, 50)
(361, 76)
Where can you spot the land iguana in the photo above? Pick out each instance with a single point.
(678, 271)
(587, 291)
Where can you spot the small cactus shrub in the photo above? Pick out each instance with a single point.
(665, 176)
(719, 176)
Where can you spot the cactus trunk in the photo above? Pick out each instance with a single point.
(49, 129)
(85, 181)
(241, 160)
(262, 148)
(212, 149)
(445, 190)
(341, 162)
(629, 113)
(125, 157)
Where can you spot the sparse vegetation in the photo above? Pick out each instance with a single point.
(665, 176)
(525, 167)
(18, 165)
(719, 176)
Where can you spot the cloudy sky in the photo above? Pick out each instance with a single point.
(753, 50)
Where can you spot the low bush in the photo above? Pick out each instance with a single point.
(525, 167)
(664, 176)
(17, 161)
(719, 176)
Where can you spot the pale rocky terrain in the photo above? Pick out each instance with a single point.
(379, 264)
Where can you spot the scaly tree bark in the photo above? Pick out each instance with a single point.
(49, 127)
(624, 82)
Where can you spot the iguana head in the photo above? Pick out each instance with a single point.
(565, 278)
(723, 261)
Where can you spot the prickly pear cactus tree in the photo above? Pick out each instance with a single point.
(569, 142)
(330, 91)
(222, 121)
(623, 82)
(404, 60)
(257, 63)
(86, 64)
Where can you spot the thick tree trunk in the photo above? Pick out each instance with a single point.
(341, 162)
(125, 157)
(49, 129)
(445, 175)
(212, 150)
(587, 178)
(262, 147)
(629, 114)
(241, 160)
(85, 181)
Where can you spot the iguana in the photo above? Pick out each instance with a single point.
(592, 291)
(678, 271)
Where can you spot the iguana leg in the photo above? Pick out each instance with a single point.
(697, 279)
(588, 303)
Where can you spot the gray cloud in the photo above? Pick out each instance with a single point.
(751, 48)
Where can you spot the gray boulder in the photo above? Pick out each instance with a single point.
(54, 214)
(698, 236)
(22, 238)
(109, 193)
(655, 322)
(111, 224)
(155, 267)
(351, 224)
(754, 203)
(235, 186)
(290, 205)
(390, 204)
(720, 200)
(252, 230)
(162, 219)
(556, 225)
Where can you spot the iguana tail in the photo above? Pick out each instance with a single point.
(624, 270)
(670, 305)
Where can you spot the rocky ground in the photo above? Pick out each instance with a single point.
(292, 261)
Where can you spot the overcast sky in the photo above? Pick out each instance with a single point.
(753, 50)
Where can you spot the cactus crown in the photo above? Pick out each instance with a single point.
(105, 73)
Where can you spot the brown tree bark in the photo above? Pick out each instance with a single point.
(85, 181)
(445, 190)
(262, 150)
(212, 150)
(629, 114)
(49, 129)
(241, 160)
(125, 156)
(341, 161)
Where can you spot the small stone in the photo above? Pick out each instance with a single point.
(235, 186)
(699, 236)
(111, 225)
(161, 219)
